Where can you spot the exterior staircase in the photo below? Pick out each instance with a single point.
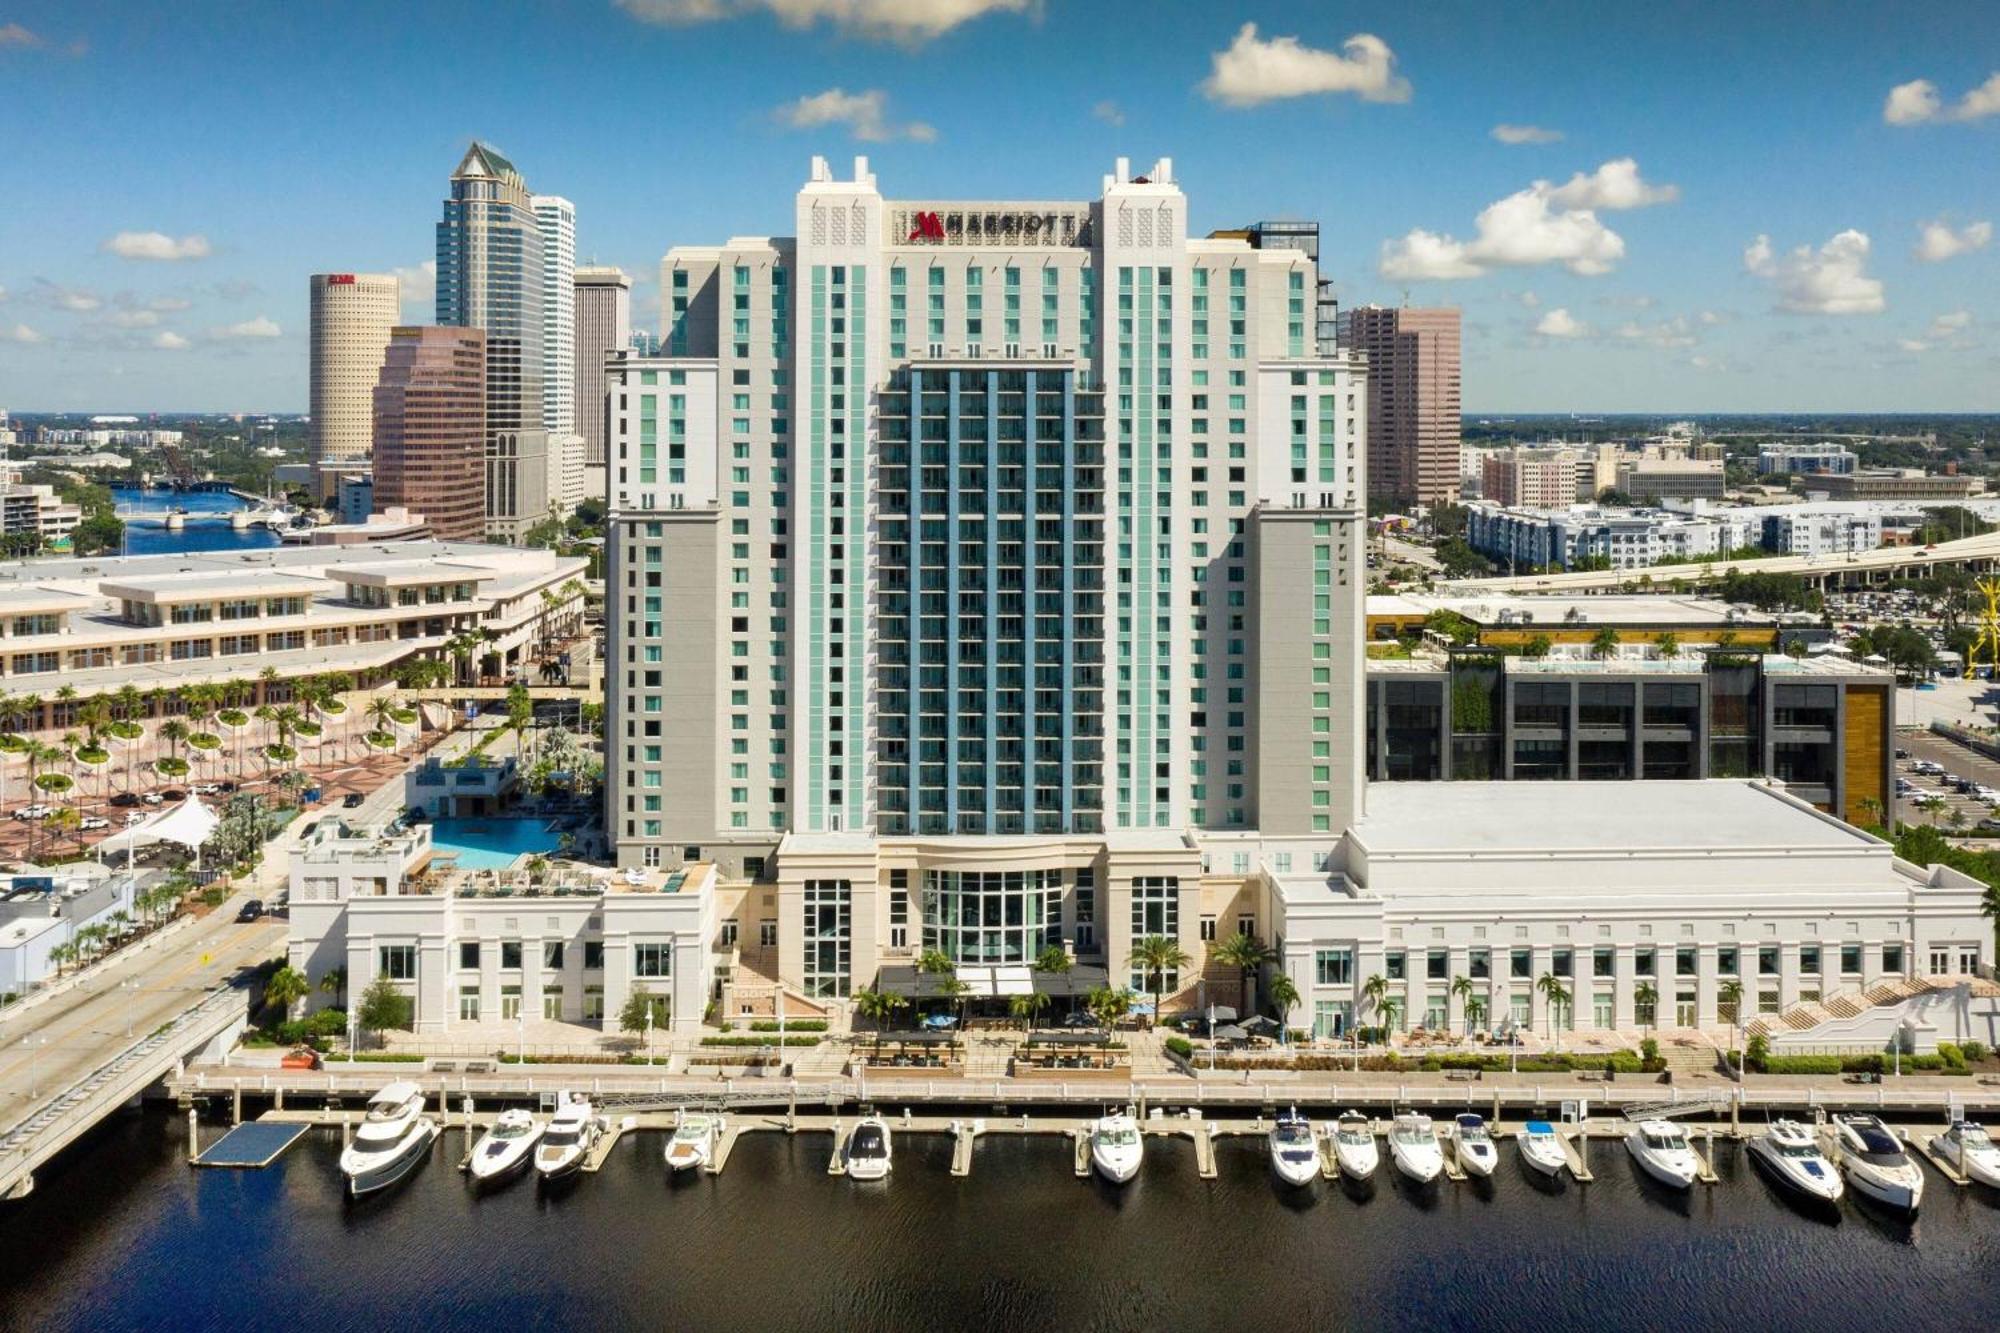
(1689, 1060)
(1809, 1014)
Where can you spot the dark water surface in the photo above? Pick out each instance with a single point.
(125, 1234)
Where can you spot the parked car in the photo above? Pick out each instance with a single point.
(93, 822)
(124, 798)
(1987, 826)
(251, 910)
(205, 789)
(351, 800)
(153, 798)
(225, 786)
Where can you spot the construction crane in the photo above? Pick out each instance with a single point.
(1988, 639)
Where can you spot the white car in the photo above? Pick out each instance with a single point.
(134, 818)
(204, 789)
(34, 812)
(153, 798)
(93, 823)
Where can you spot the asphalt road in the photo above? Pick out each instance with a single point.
(48, 1046)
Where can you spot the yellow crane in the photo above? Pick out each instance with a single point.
(1988, 639)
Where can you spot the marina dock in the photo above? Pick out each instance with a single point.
(1925, 1144)
(1578, 1156)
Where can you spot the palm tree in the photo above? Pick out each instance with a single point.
(1556, 995)
(1283, 994)
(1107, 1005)
(173, 731)
(382, 712)
(286, 988)
(1054, 960)
(1246, 954)
(1028, 1007)
(1475, 1012)
(62, 954)
(1647, 999)
(333, 982)
(1376, 991)
(955, 989)
(1669, 645)
(1155, 956)
(1462, 988)
(1730, 996)
(1604, 643)
(265, 680)
(878, 1006)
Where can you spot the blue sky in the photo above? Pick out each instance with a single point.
(173, 173)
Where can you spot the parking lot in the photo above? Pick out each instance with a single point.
(1958, 762)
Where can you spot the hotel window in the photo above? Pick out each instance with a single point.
(1156, 910)
(398, 962)
(767, 934)
(1892, 958)
(552, 1004)
(1208, 928)
(1850, 959)
(1334, 967)
(1603, 962)
(727, 939)
(1809, 960)
(468, 955)
(652, 960)
(468, 1004)
(593, 1004)
(1767, 960)
(1685, 962)
(1393, 965)
(1643, 963)
(829, 905)
(1437, 965)
(1521, 963)
(593, 955)
(510, 955)
(1727, 960)
(1563, 963)
(552, 955)
(1479, 962)
(510, 1003)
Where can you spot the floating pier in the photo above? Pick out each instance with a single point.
(965, 1133)
(1454, 1170)
(256, 1144)
(1927, 1146)
(1578, 1157)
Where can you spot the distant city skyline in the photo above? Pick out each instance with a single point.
(1797, 219)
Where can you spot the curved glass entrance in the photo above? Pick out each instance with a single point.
(992, 916)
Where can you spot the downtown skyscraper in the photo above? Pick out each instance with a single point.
(957, 538)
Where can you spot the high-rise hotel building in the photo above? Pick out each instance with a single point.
(983, 575)
(352, 314)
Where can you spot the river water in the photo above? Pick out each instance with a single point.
(124, 1234)
(202, 532)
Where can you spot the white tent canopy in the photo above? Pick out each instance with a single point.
(190, 823)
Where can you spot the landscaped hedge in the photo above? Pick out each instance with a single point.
(1950, 1059)
(771, 1040)
(1180, 1046)
(791, 1025)
(1617, 1062)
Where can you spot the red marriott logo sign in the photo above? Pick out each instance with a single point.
(340, 279)
(926, 227)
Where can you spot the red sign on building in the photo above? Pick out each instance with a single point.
(928, 228)
(340, 279)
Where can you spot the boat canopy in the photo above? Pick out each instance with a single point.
(400, 1091)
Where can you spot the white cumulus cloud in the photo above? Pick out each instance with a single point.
(866, 115)
(1938, 241)
(76, 300)
(20, 333)
(1108, 112)
(260, 327)
(1520, 134)
(156, 245)
(132, 319)
(1543, 224)
(1615, 185)
(1253, 71)
(1666, 333)
(905, 22)
(1919, 102)
(1831, 280)
(1559, 323)
(169, 341)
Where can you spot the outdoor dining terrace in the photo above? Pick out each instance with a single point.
(1068, 1054)
(925, 1052)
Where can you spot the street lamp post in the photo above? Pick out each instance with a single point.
(34, 1065)
(649, 1032)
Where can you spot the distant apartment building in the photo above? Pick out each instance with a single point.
(1533, 478)
(430, 434)
(1813, 531)
(1804, 459)
(1655, 479)
(1413, 399)
(1625, 538)
(1890, 484)
(37, 510)
(603, 319)
(351, 315)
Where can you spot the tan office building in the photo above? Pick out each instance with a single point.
(430, 428)
(352, 314)
(1413, 399)
(603, 325)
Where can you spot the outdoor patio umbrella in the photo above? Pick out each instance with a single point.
(1221, 1013)
(1231, 1032)
(1259, 1023)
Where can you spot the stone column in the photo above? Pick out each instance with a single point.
(1706, 984)
(1788, 975)
(1624, 984)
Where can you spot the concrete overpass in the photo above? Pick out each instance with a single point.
(1882, 565)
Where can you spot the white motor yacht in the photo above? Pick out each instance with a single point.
(1294, 1150)
(567, 1140)
(506, 1147)
(1542, 1149)
(1354, 1145)
(393, 1137)
(692, 1146)
(869, 1149)
(1661, 1149)
(1115, 1147)
(1791, 1153)
(1476, 1152)
(1414, 1147)
(1971, 1149)
(1876, 1164)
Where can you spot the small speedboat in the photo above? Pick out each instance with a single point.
(1115, 1147)
(1354, 1145)
(1294, 1150)
(1661, 1149)
(1791, 1154)
(1971, 1149)
(1414, 1147)
(693, 1143)
(1876, 1164)
(868, 1150)
(568, 1139)
(1476, 1152)
(1542, 1149)
(393, 1137)
(505, 1148)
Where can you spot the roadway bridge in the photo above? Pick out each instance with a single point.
(214, 1021)
(1885, 564)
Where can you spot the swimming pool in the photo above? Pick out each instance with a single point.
(492, 844)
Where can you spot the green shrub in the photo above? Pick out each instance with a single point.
(1758, 1050)
(327, 1023)
(1803, 1064)
(1180, 1046)
(93, 754)
(229, 717)
(761, 1040)
(383, 1057)
(1973, 1050)
(214, 895)
(791, 1025)
(1952, 1055)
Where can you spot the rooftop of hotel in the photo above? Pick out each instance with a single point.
(1828, 666)
(1692, 817)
